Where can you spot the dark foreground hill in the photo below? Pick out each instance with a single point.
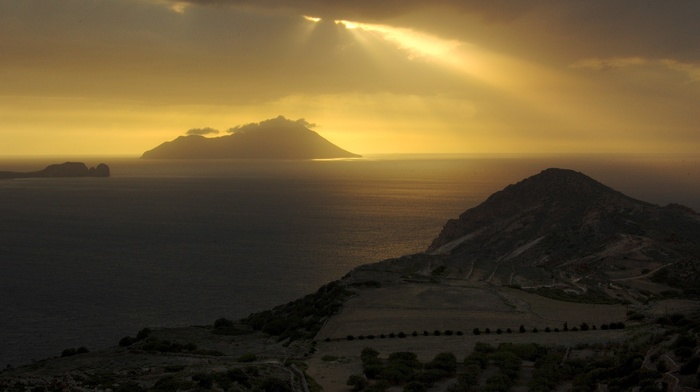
(409, 321)
(67, 169)
(562, 227)
(277, 138)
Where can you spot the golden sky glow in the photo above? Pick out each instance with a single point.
(120, 77)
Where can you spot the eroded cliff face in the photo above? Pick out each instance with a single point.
(67, 169)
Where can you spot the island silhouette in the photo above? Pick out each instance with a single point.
(277, 138)
(66, 169)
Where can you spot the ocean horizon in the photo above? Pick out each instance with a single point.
(87, 261)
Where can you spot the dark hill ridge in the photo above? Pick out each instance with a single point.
(67, 169)
(561, 225)
(562, 229)
(278, 138)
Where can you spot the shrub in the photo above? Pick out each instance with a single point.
(126, 341)
(203, 380)
(547, 329)
(414, 333)
(459, 333)
(470, 377)
(634, 316)
(372, 370)
(394, 375)
(436, 332)
(444, 361)
(430, 376)
(82, 350)
(690, 367)
(143, 334)
(499, 331)
(361, 337)
(487, 331)
(271, 384)
(369, 352)
(522, 328)
(402, 335)
(426, 333)
(173, 368)
(223, 323)
(476, 331)
(448, 332)
(405, 356)
(350, 337)
(357, 382)
(415, 386)
(69, 352)
(535, 330)
(509, 330)
(683, 352)
(329, 358)
(247, 357)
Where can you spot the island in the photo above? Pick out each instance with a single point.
(66, 169)
(277, 138)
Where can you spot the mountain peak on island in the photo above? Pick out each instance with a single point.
(277, 138)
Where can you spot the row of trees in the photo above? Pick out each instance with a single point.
(478, 331)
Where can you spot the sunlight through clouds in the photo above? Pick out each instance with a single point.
(398, 76)
(417, 44)
(312, 19)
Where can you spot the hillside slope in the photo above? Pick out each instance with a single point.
(563, 224)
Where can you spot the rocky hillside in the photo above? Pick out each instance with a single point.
(561, 225)
(562, 230)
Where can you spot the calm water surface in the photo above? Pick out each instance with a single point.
(86, 261)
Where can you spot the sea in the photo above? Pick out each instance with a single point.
(160, 243)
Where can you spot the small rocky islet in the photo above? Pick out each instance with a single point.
(60, 170)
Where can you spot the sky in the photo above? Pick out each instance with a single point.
(395, 76)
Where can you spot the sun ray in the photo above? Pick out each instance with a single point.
(417, 44)
(312, 18)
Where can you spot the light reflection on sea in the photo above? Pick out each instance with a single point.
(86, 261)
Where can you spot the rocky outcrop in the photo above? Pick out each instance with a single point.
(67, 169)
(277, 138)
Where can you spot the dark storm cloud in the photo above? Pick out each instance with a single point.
(496, 10)
(624, 27)
(203, 131)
